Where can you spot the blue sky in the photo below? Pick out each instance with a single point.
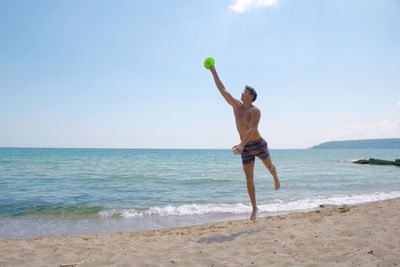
(129, 74)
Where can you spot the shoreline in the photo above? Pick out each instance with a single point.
(101, 226)
(24, 228)
(346, 235)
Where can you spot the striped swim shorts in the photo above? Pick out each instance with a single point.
(257, 148)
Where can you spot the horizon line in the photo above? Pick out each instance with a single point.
(127, 148)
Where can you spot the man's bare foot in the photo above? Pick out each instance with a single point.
(277, 184)
(254, 214)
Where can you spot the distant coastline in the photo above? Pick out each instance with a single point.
(385, 143)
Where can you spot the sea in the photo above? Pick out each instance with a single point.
(71, 191)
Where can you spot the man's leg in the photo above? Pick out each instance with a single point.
(271, 167)
(249, 171)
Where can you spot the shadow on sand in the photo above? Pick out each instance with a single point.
(224, 238)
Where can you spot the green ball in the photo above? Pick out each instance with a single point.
(209, 63)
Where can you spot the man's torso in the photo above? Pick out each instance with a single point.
(242, 118)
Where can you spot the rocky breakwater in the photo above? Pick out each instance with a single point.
(373, 161)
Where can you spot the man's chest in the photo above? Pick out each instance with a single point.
(242, 116)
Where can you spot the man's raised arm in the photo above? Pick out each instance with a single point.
(228, 97)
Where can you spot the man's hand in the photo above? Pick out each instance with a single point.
(238, 149)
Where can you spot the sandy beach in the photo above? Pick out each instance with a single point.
(361, 235)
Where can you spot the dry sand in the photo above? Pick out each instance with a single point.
(362, 235)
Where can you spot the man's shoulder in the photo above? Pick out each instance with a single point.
(255, 112)
(255, 109)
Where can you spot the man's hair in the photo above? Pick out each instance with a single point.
(252, 92)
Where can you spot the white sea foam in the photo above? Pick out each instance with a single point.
(312, 203)
(276, 206)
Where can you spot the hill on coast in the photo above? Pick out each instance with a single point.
(367, 143)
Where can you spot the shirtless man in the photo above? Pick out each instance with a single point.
(247, 117)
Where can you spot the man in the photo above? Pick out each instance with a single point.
(247, 117)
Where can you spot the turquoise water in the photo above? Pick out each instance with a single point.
(61, 191)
